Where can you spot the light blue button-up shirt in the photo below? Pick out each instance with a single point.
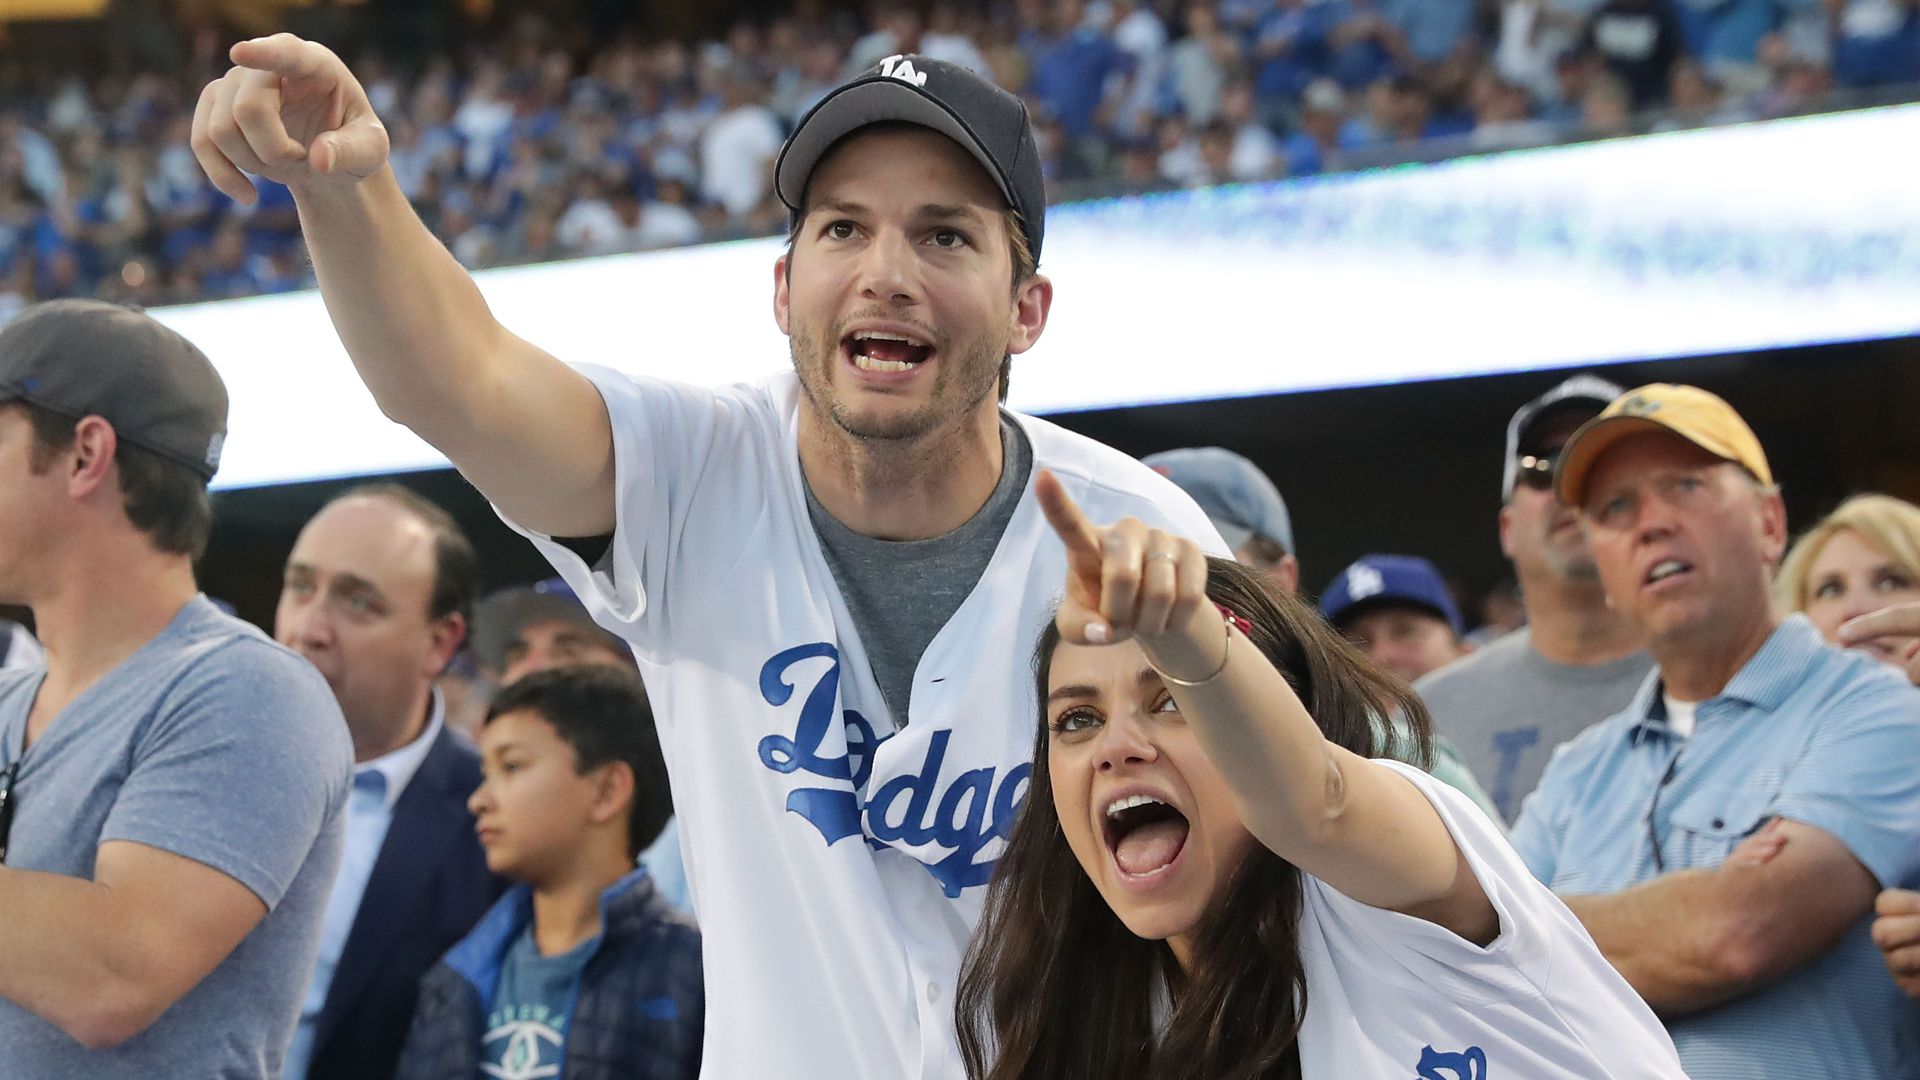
(1805, 732)
(377, 787)
(667, 869)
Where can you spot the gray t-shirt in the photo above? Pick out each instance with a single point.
(526, 1033)
(1507, 707)
(901, 592)
(213, 743)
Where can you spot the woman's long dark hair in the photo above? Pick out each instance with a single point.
(1055, 987)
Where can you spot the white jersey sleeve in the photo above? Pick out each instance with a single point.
(678, 451)
(1391, 995)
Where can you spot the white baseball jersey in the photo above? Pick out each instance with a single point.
(838, 865)
(1399, 998)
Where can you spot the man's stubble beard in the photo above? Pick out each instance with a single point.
(814, 364)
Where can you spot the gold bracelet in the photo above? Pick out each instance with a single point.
(1225, 655)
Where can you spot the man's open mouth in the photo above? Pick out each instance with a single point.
(886, 350)
(1666, 568)
(1145, 834)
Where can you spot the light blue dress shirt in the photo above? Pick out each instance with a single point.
(668, 869)
(1806, 732)
(377, 787)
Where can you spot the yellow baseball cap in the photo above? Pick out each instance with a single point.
(1701, 418)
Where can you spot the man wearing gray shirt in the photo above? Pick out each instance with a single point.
(171, 781)
(1577, 661)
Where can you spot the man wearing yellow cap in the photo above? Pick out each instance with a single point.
(1750, 726)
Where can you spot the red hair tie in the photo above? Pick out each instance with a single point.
(1234, 620)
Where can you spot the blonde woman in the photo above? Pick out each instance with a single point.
(1862, 558)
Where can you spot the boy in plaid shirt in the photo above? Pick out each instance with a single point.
(581, 968)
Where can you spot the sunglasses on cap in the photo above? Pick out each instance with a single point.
(1535, 471)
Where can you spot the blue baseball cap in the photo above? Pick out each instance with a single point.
(1234, 494)
(1385, 580)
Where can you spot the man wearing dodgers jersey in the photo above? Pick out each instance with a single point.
(833, 578)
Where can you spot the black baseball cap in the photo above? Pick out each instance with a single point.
(990, 123)
(84, 358)
(498, 620)
(1582, 395)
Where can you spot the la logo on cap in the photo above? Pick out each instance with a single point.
(1639, 405)
(899, 67)
(1364, 581)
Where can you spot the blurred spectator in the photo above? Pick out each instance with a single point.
(1365, 45)
(1077, 73)
(1398, 610)
(377, 593)
(526, 629)
(1179, 161)
(1752, 727)
(1533, 36)
(1502, 612)
(1241, 502)
(1606, 110)
(1639, 40)
(1800, 86)
(1254, 152)
(1863, 557)
(1399, 110)
(1697, 98)
(523, 629)
(737, 149)
(1503, 117)
(1432, 29)
(1875, 42)
(900, 28)
(229, 270)
(1574, 73)
(1311, 148)
(1198, 64)
(1726, 35)
(1510, 704)
(1290, 48)
(1060, 158)
(1135, 28)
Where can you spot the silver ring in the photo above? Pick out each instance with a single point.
(1167, 555)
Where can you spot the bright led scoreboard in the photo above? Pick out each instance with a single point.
(1750, 237)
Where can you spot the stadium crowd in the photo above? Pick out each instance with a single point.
(546, 138)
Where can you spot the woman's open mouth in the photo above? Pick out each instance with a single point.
(1145, 836)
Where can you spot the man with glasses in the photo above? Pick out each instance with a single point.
(1751, 726)
(1577, 661)
(171, 781)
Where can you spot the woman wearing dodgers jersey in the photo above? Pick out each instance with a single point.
(1212, 878)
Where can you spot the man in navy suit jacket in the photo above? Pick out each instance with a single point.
(377, 594)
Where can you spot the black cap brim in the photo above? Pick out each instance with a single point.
(874, 100)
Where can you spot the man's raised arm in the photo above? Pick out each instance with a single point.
(529, 432)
